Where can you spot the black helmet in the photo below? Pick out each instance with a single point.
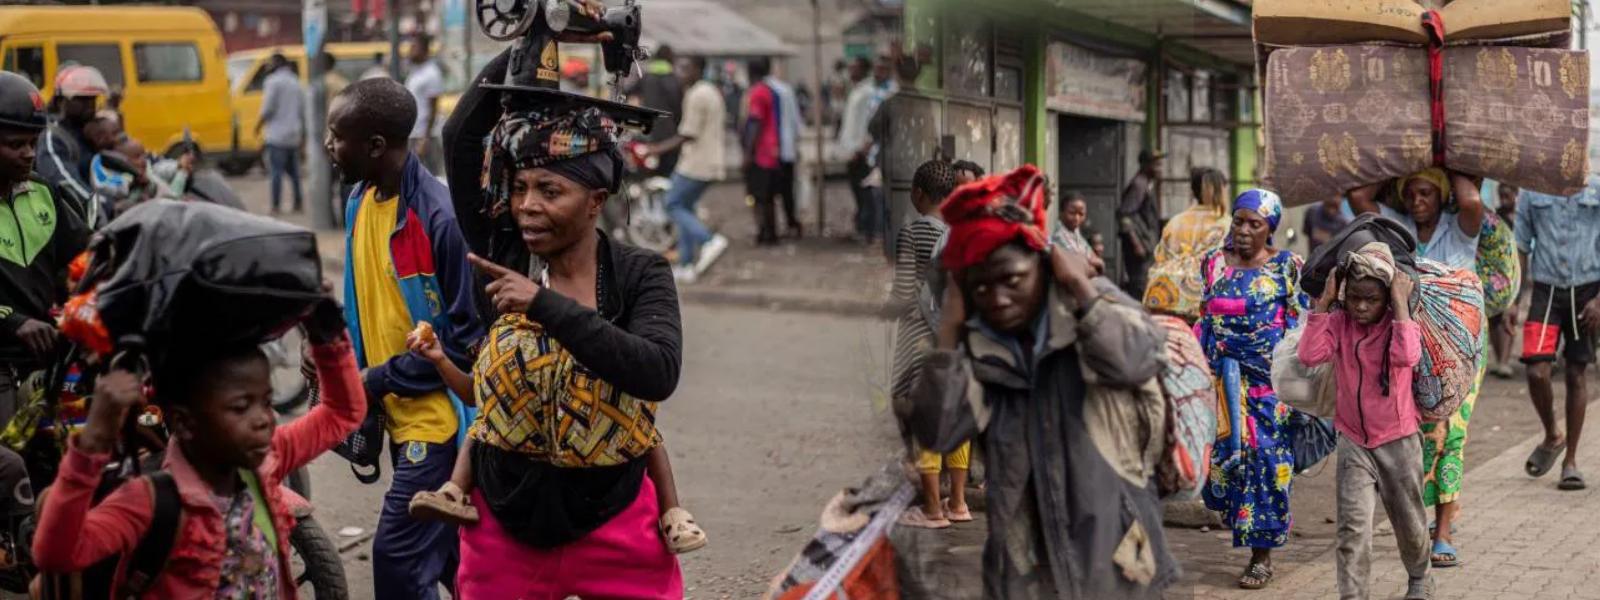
(21, 105)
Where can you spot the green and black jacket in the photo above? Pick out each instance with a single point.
(38, 239)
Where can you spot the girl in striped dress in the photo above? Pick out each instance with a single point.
(914, 254)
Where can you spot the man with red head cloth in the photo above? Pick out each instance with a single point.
(1055, 373)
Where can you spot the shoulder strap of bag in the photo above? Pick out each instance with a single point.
(150, 556)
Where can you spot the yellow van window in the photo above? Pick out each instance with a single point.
(176, 61)
(105, 57)
(29, 61)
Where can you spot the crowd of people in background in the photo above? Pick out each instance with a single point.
(1221, 267)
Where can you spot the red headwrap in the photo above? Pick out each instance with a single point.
(992, 212)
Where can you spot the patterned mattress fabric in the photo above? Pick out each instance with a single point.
(1339, 117)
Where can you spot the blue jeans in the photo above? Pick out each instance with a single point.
(410, 558)
(283, 160)
(681, 202)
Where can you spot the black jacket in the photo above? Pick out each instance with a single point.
(635, 340)
(33, 275)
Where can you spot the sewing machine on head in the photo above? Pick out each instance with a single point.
(533, 75)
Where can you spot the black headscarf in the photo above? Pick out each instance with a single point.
(579, 144)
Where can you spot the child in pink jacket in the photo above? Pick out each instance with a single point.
(1373, 344)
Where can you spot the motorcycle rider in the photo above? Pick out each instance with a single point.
(39, 236)
(66, 150)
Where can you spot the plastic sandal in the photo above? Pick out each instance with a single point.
(449, 505)
(1542, 459)
(682, 534)
(914, 517)
(964, 516)
(1443, 548)
(1571, 479)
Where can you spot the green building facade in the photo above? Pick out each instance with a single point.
(1078, 88)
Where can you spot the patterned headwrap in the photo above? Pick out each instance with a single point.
(1433, 175)
(581, 145)
(992, 212)
(1261, 202)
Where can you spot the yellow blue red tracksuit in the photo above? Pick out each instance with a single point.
(426, 256)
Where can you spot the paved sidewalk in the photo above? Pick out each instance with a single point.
(1521, 539)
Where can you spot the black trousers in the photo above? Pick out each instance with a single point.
(765, 185)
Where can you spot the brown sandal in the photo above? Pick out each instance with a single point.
(449, 505)
(682, 534)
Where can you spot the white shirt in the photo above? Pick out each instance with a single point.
(703, 123)
(858, 107)
(426, 82)
(1450, 245)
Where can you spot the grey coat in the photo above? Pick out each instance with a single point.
(1070, 443)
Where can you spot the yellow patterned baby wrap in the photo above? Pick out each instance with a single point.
(534, 398)
(1176, 285)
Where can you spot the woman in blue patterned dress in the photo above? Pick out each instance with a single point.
(1252, 296)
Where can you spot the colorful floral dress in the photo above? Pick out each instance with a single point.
(1244, 315)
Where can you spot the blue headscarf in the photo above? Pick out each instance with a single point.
(1261, 202)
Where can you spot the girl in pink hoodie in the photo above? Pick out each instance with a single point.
(1364, 327)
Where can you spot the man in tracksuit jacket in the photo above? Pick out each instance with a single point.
(406, 262)
(39, 236)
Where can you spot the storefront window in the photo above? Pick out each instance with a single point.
(971, 126)
(1008, 83)
(1007, 138)
(1177, 96)
(967, 57)
(914, 129)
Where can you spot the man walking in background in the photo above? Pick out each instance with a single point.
(700, 136)
(661, 89)
(1561, 238)
(282, 127)
(426, 84)
(762, 144)
(1139, 223)
(866, 95)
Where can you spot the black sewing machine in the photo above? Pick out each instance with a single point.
(533, 74)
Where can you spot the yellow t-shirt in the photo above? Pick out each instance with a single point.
(385, 321)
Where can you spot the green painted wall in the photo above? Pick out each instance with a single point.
(1041, 19)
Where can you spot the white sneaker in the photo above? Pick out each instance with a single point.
(710, 252)
(683, 275)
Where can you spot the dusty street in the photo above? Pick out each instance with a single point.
(774, 414)
(777, 410)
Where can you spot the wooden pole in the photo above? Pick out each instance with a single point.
(816, 114)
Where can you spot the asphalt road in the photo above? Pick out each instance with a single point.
(775, 412)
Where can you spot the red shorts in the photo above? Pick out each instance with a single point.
(1553, 325)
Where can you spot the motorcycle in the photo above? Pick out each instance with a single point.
(642, 219)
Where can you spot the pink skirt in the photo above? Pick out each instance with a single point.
(623, 559)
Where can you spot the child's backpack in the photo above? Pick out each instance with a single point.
(143, 565)
(1191, 426)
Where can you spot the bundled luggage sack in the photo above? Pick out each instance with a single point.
(1449, 309)
(1191, 426)
(169, 272)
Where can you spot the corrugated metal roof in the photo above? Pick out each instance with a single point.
(1217, 27)
(707, 28)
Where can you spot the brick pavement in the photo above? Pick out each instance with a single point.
(1521, 539)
